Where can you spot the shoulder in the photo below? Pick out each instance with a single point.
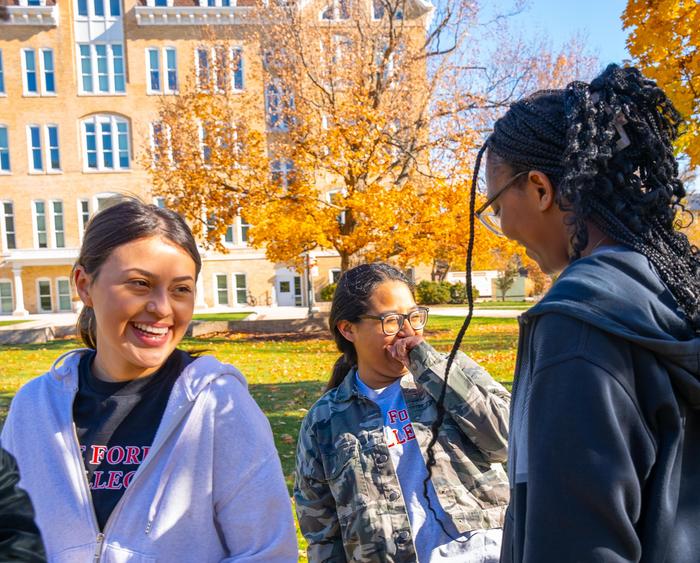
(323, 409)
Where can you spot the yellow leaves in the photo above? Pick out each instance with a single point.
(665, 41)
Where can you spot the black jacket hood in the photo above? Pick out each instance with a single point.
(618, 291)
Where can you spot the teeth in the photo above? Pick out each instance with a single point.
(152, 329)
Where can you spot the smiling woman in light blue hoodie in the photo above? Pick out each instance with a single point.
(132, 450)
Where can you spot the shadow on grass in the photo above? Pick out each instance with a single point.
(58, 345)
(285, 405)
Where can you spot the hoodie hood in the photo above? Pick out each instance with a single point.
(618, 291)
(192, 381)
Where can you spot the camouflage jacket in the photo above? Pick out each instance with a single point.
(347, 493)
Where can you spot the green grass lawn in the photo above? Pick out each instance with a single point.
(14, 322)
(287, 375)
(222, 316)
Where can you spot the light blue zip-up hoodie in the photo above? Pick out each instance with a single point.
(210, 490)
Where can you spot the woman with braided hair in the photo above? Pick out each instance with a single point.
(605, 425)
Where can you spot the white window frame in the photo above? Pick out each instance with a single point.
(82, 223)
(283, 168)
(281, 121)
(160, 202)
(35, 224)
(215, 285)
(212, 69)
(42, 67)
(107, 8)
(235, 289)
(58, 295)
(217, 4)
(47, 149)
(152, 4)
(26, 4)
(168, 139)
(25, 82)
(330, 274)
(94, 73)
(30, 149)
(9, 159)
(3, 91)
(4, 246)
(334, 6)
(97, 120)
(12, 296)
(163, 70)
(239, 231)
(54, 230)
(38, 295)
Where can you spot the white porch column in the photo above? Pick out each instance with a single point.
(199, 302)
(19, 311)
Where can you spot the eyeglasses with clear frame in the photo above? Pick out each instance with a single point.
(392, 323)
(491, 220)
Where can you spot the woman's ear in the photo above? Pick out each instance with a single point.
(347, 329)
(83, 281)
(544, 189)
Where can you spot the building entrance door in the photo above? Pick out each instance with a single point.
(288, 289)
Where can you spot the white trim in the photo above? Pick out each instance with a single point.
(43, 90)
(235, 289)
(330, 274)
(9, 155)
(58, 295)
(52, 216)
(38, 295)
(91, 16)
(35, 228)
(95, 77)
(239, 231)
(214, 68)
(215, 286)
(47, 149)
(32, 15)
(3, 228)
(12, 297)
(3, 90)
(81, 224)
(114, 120)
(25, 82)
(30, 149)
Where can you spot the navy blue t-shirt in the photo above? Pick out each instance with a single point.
(116, 423)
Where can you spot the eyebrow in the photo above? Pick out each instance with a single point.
(148, 274)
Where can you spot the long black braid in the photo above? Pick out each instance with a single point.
(607, 147)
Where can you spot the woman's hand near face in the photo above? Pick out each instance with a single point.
(401, 347)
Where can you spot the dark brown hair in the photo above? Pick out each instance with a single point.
(350, 302)
(119, 224)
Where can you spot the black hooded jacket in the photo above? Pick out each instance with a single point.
(604, 458)
(19, 536)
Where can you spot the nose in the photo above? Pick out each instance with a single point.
(406, 329)
(159, 303)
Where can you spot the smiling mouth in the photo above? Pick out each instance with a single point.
(151, 331)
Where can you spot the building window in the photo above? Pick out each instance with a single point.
(31, 72)
(334, 275)
(243, 232)
(31, 85)
(221, 281)
(283, 173)
(161, 142)
(336, 10)
(40, 232)
(99, 8)
(159, 202)
(107, 200)
(63, 294)
(8, 225)
(379, 9)
(335, 198)
(165, 80)
(217, 3)
(37, 144)
(279, 102)
(222, 66)
(44, 294)
(2, 75)
(83, 215)
(106, 143)
(59, 237)
(240, 289)
(102, 68)
(4, 149)
(36, 161)
(228, 237)
(6, 304)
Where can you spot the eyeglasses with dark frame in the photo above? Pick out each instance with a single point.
(392, 323)
(490, 220)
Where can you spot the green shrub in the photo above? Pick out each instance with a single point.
(458, 293)
(436, 293)
(328, 291)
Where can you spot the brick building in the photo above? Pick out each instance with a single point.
(80, 82)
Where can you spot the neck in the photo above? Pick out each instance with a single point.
(596, 239)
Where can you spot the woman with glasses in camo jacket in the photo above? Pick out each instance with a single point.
(364, 491)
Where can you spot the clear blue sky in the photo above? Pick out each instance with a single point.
(598, 20)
